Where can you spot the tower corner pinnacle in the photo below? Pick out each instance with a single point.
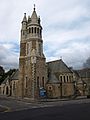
(34, 7)
(24, 18)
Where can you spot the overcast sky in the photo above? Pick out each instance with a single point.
(66, 30)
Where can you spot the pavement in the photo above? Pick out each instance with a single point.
(3, 109)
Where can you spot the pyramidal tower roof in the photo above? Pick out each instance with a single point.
(34, 18)
(24, 18)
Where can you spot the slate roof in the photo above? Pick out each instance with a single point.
(52, 78)
(15, 75)
(4, 82)
(58, 66)
(55, 68)
(76, 73)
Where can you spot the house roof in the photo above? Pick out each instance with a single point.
(84, 73)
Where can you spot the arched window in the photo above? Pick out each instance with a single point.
(26, 81)
(61, 79)
(35, 29)
(70, 78)
(42, 81)
(32, 29)
(7, 90)
(14, 86)
(67, 78)
(38, 82)
(29, 30)
(64, 79)
(38, 30)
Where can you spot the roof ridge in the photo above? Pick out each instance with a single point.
(54, 61)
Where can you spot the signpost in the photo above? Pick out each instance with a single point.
(42, 92)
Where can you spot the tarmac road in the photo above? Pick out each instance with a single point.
(13, 109)
(65, 112)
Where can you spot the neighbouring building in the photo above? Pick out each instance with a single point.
(10, 86)
(83, 81)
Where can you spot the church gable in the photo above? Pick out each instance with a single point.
(56, 69)
(58, 66)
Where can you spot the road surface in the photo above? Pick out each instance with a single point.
(65, 112)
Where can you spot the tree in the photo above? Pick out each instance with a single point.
(2, 71)
(8, 73)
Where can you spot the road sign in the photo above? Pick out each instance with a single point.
(42, 92)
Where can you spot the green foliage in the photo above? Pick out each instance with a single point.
(2, 71)
(4, 76)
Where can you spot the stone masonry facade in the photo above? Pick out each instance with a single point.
(32, 62)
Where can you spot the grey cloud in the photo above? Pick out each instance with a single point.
(8, 58)
(62, 23)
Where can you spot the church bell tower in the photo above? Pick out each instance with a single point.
(32, 62)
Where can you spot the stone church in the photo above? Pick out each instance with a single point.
(34, 73)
